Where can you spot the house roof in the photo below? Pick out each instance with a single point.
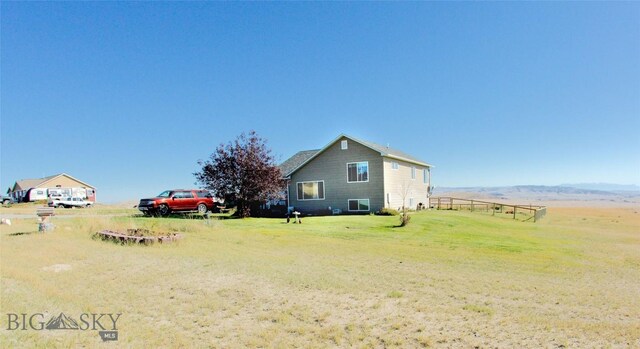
(37, 182)
(391, 152)
(301, 158)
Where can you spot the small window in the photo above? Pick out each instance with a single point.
(40, 192)
(344, 145)
(425, 176)
(394, 165)
(359, 205)
(411, 202)
(358, 172)
(413, 172)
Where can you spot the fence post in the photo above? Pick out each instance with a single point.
(471, 205)
(514, 212)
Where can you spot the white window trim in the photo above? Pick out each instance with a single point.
(425, 176)
(413, 172)
(324, 190)
(395, 165)
(344, 145)
(358, 162)
(359, 210)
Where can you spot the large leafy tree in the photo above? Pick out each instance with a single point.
(242, 171)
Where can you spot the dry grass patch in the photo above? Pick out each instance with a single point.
(449, 279)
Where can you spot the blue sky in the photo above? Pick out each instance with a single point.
(129, 96)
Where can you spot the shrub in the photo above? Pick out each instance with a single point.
(387, 212)
(404, 219)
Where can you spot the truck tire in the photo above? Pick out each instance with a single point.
(164, 210)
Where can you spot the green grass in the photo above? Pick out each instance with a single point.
(447, 279)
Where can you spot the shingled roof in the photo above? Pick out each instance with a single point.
(25, 184)
(31, 183)
(390, 152)
(296, 160)
(302, 157)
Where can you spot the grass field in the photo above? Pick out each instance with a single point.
(449, 279)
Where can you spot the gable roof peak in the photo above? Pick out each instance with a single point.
(389, 152)
(35, 182)
(301, 158)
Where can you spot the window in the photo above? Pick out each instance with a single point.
(358, 204)
(411, 202)
(413, 172)
(394, 165)
(40, 192)
(183, 195)
(344, 145)
(311, 190)
(358, 172)
(425, 176)
(204, 194)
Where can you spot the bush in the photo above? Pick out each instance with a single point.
(404, 219)
(387, 212)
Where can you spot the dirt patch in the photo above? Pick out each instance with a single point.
(56, 268)
(139, 236)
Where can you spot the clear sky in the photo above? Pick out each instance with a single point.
(128, 96)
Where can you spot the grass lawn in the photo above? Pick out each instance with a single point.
(449, 279)
(97, 209)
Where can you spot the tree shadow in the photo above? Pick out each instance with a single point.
(190, 216)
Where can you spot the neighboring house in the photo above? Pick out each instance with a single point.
(53, 186)
(354, 176)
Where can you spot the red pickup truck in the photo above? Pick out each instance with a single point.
(178, 200)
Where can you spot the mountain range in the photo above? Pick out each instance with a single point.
(563, 195)
(604, 186)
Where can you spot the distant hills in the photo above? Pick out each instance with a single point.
(561, 195)
(603, 186)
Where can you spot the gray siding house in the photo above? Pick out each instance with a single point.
(354, 176)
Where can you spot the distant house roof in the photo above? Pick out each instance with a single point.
(25, 184)
(301, 158)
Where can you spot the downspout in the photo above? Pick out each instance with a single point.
(288, 197)
(429, 183)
